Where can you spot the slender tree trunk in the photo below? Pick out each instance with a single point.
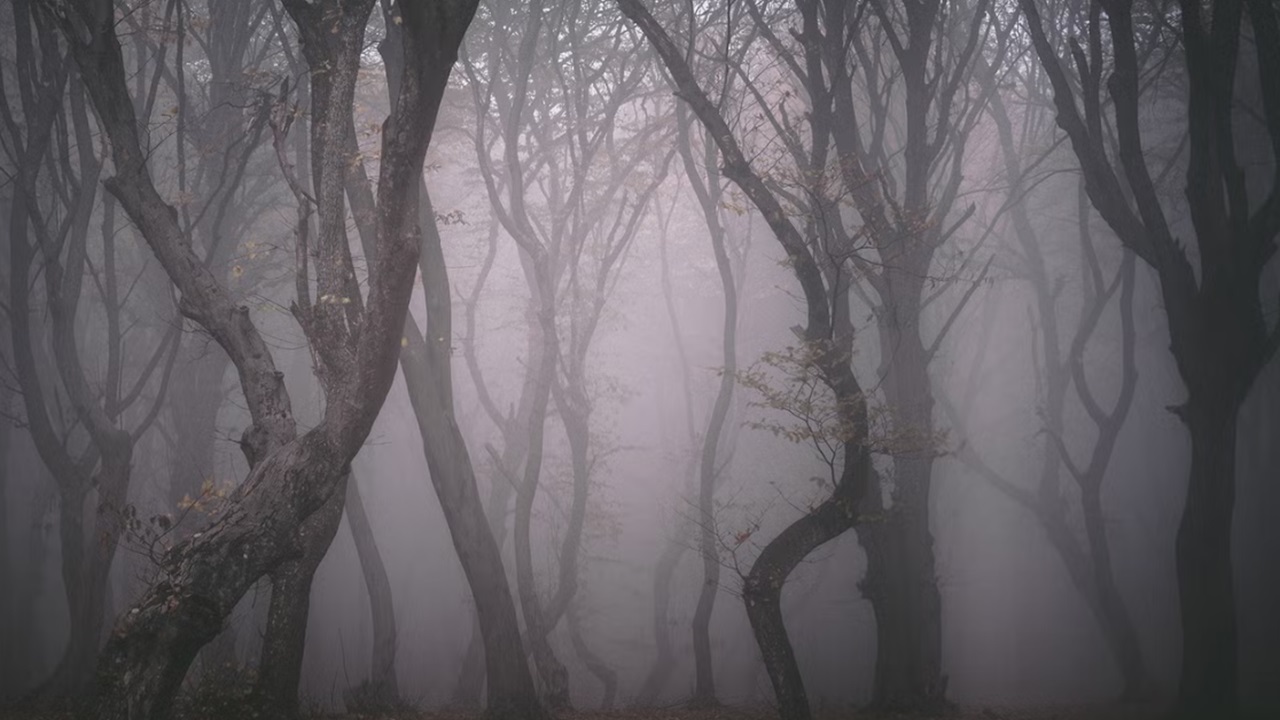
(1118, 628)
(382, 675)
(596, 665)
(280, 670)
(427, 369)
(502, 486)
(1203, 561)
(664, 661)
(426, 366)
(554, 675)
(90, 525)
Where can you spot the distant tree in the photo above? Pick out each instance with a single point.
(85, 425)
(571, 185)
(1218, 329)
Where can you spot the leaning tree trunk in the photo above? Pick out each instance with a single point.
(762, 590)
(382, 675)
(427, 369)
(280, 669)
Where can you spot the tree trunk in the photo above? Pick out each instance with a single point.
(426, 366)
(280, 670)
(1117, 625)
(762, 590)
(664, 661)
(595, 664)
(382, 674)
(471, 677)
(901, 579)
(9, 648)
(90, 525)
(1203, 561)
(902, 589)
(427, 369)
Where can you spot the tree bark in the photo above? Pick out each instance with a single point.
(201, 579)
(280, 667)
(382, 675)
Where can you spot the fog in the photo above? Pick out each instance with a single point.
(979, 366)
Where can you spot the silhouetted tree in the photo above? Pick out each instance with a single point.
(1219, 333)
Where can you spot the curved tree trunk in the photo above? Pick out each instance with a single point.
(427, 369)
(596, 665)
(708, 193)
(427, 372)
(664, 661)
(382, 675)
(200, 580)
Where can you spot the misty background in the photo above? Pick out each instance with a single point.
(564, 134)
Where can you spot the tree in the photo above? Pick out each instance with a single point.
(355, 343)
(892, 109)
(49, 231)
(571, 188)
(1219, 334)
(828, 338)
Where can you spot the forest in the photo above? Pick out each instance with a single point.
(639, 360)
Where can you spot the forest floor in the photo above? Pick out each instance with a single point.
(1064, 712)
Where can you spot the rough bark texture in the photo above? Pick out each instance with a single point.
(201, 579)
(280, 665)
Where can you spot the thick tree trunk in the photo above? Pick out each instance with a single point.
(9, 593)
(902, 589)
(280, 669)
(382, 675)
(901, 579)
(1203, 561)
